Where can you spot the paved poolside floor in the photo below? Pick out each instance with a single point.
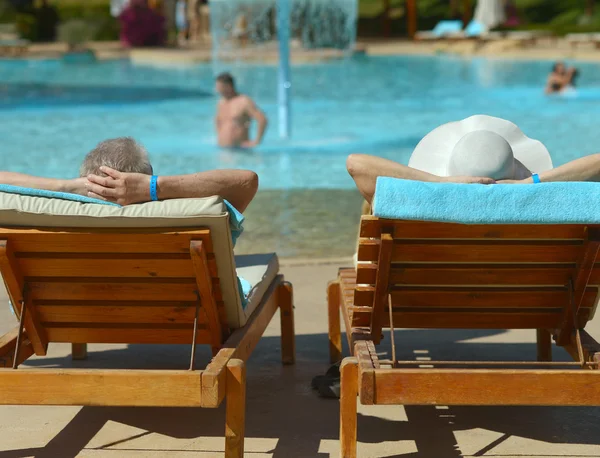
(544, 49)
(285, 418)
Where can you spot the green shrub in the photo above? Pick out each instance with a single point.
(26, 26)
(94, 12)
(75, 33)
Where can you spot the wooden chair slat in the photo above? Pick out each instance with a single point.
(19, 295)
(454, 252)
(97, 387)
(78, 333)
(205, 294)
(110, 313)
(476, 297)
(502, 387)
(493, 297)
(475, 274)
(371, 227)
(150, 268)
(470, 320)
(105, 241)
(150, 290)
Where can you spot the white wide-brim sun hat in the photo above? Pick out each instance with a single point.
(480, 146)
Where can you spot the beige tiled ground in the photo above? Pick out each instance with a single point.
(285, 418)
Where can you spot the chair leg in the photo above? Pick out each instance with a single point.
(348, 404)
(286, 313)
(335, 336)
(78, 351)
(236, 409)
(544, 345)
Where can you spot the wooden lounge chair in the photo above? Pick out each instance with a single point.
(161, 273)
(413, 274)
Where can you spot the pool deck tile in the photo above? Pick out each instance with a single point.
(545, 49)
(286, 419)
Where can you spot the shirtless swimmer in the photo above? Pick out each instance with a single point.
(235, 112)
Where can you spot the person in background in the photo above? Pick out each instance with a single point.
(240, 29)
(192, 13)
(364, 170)
(512, 14)
(47, 21)
(181, 21)
(141, 25)
(198, 17)
(204, 20)
(235, 112)
(561, 78)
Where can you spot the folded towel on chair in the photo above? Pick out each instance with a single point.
(52, 195)
(544, 203)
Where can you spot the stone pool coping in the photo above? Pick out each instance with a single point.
(544, 49)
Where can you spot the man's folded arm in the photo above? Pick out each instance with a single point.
(51, 184)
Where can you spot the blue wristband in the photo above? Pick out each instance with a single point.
(153, 191)
(536, 178)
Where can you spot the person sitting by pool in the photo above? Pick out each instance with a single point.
(561, 78)
(119, 170)
(480, 149)
(235, 112)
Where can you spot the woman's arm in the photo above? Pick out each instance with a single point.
(583, 169)
(237, 186)
(365, 169)
(75, 186)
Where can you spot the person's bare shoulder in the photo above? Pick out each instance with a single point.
(246, 101)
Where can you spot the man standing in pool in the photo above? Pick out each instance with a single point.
(235, 112)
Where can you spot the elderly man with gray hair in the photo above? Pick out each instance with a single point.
(119, 170)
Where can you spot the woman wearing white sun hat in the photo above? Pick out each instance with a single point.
(480, 149)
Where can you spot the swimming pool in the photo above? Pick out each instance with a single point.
(51, 114)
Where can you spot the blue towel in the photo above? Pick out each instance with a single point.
(544, 203)
(244, 288)
(52, 195)
(475, 29)
(447, 27)
(236, 221)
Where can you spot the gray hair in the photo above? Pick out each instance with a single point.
(123, 154)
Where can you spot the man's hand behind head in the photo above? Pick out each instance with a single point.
(121, 188)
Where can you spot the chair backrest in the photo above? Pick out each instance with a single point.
(114, 285)
(153, 239)
(448, 275)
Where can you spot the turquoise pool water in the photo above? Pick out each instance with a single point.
(51, 114)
